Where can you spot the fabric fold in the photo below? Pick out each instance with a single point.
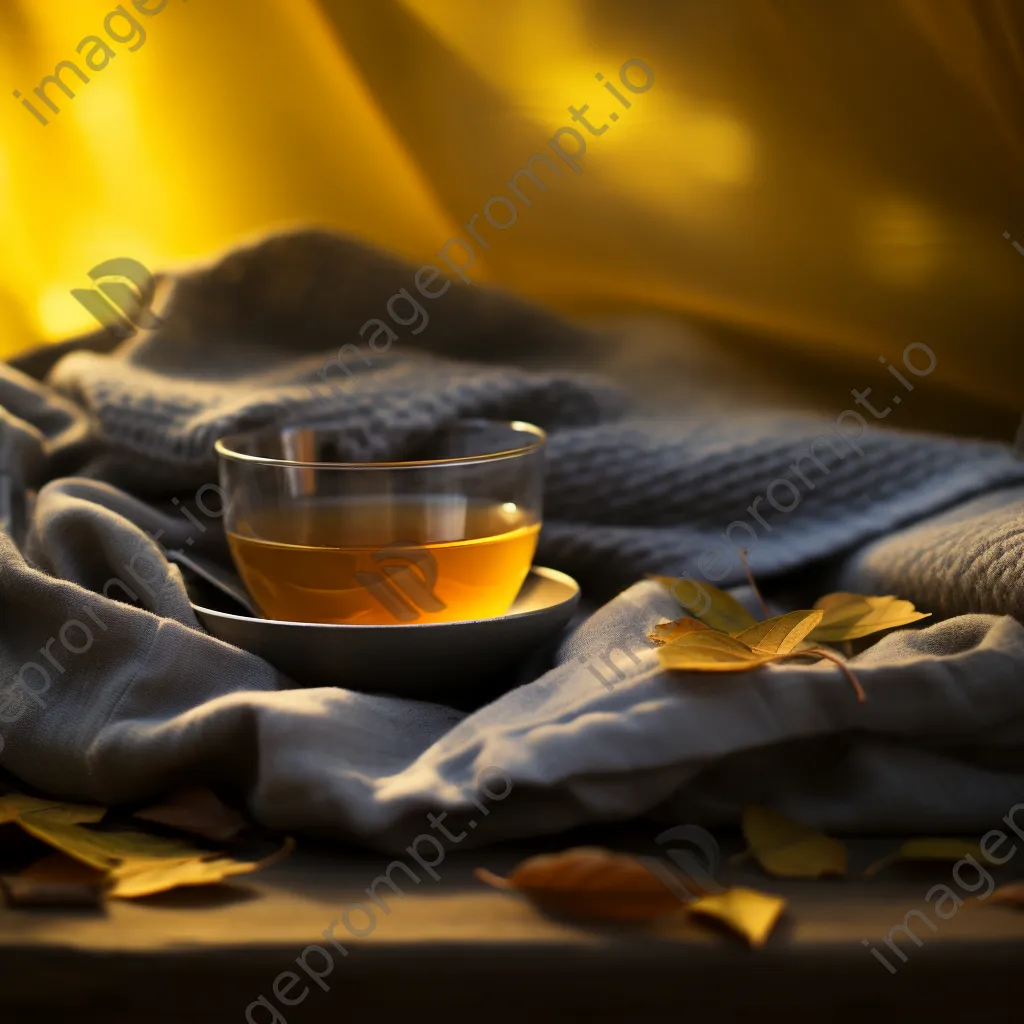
(110, 690)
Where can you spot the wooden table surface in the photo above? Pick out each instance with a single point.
(453, 946)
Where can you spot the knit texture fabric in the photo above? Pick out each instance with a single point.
(292, 330)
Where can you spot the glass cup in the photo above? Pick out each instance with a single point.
(447, 537)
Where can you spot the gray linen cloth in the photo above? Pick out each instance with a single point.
(120, 698)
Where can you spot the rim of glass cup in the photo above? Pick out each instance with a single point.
(224, 448)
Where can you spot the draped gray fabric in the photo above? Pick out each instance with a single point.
(110, 691)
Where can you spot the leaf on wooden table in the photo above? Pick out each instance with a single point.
(1011, 895)
(16, 805)
(724, 612)
(929, 849)
(789, 849)
(748, 912)
(59, 868)
(55, 881)
(197, 811)
(105, 850)
(126, 862)
(669, 632)
(852, 616)
(588, 882)
(137, 878)
(781, 634)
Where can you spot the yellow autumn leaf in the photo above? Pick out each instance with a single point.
(669, 632)
(852, 616)
(724, 612)
(105, 850)
(776, 639)
(710, 651)
(16, 805)
(781, 634)
(137, 878)
(929, 849)
(789, 849)
(748, 912)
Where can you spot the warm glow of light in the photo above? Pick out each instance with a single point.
(181, 149)
(61, 315)
(543, 60)
(718, 148)
(902, 241)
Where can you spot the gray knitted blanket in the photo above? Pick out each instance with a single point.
(101, 452)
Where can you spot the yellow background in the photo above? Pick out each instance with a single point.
(828, 177)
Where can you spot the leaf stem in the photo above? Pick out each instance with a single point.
(489, 878)
(836, 660)
(753, 585)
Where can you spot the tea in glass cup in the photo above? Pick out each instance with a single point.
(447, 537)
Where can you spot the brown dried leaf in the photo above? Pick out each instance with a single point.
(197, 811)
(789, 849)
(55, 881)
(669, 632)
(589, 882)
(1012, 895)
(61, 869)
(748, 912)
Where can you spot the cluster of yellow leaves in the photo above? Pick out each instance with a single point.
(591, 882)
(126, 862)
(725, 637)
(789, 849)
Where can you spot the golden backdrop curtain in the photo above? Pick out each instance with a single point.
(834, 177)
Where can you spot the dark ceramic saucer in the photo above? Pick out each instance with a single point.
(463, 664)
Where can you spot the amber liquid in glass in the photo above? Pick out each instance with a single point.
(379, 562)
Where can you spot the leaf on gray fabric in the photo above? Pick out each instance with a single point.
(852, 616)
(714, 607)
(669, 632)
(781, 634)
(777, 639)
